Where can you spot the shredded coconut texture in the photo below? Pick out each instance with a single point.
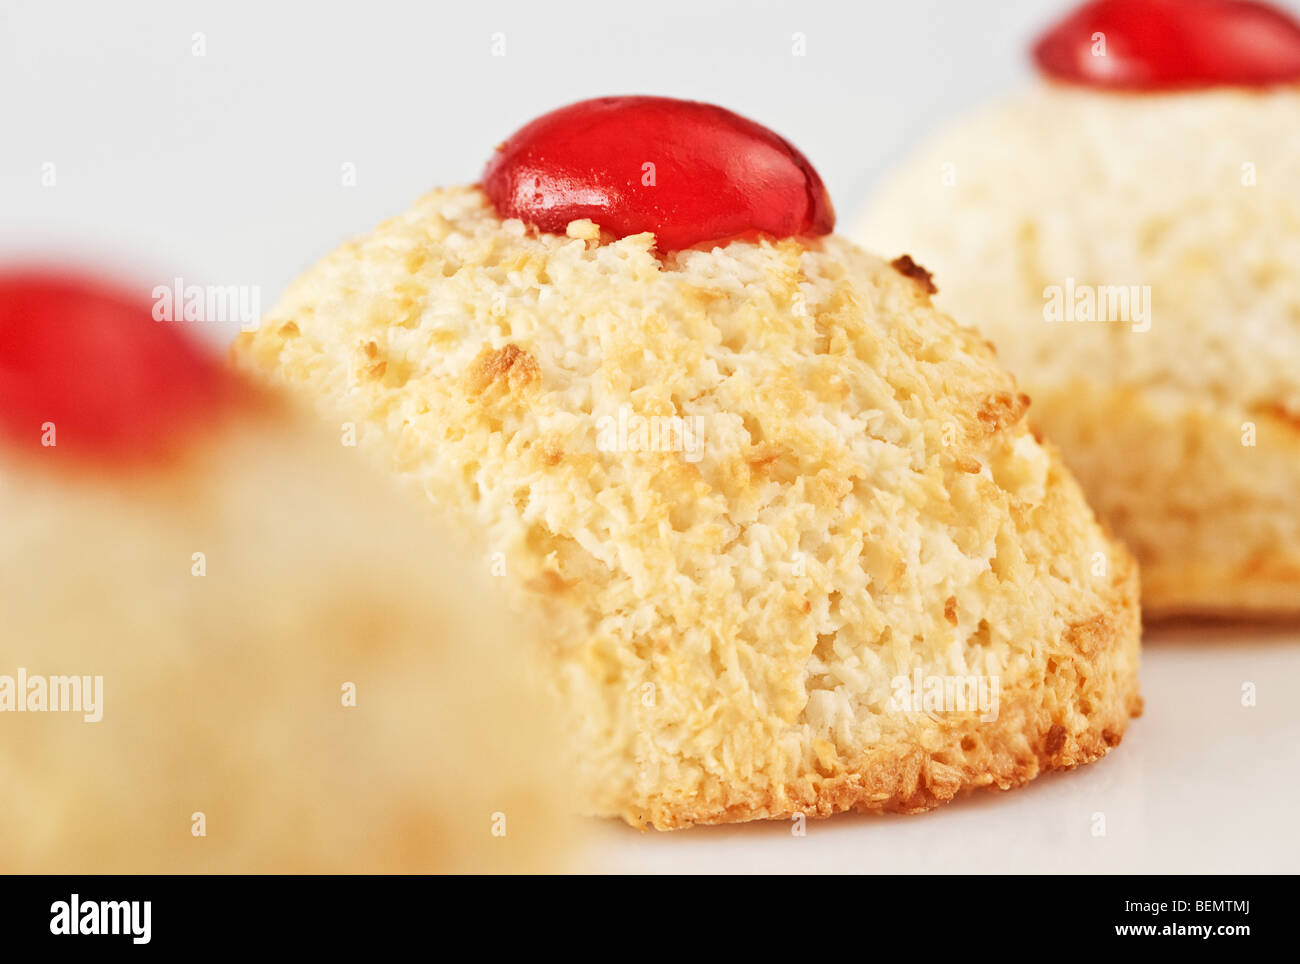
(867, 501)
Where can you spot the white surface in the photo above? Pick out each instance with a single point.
(1200, 783)
(226, 169)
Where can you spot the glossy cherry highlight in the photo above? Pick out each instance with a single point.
(691, 173)
(1160, 45)
(86, 357)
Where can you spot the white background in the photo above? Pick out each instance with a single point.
(226, 169)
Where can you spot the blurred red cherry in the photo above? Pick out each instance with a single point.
(692, 173)
(1154, 45)
(87, 357)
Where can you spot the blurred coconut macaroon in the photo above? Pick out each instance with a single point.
(1127, 232)
(226, 646)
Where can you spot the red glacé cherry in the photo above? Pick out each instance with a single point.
(692, 173)
(1156, 45)
(88, 357)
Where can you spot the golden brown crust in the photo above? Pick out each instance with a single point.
(1267, 588)
(908, 268)
(1032, 735)
(1002, 409)
(508, 368)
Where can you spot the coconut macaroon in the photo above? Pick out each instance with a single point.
(802, 552)
(1134, 258)
(248, 655)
